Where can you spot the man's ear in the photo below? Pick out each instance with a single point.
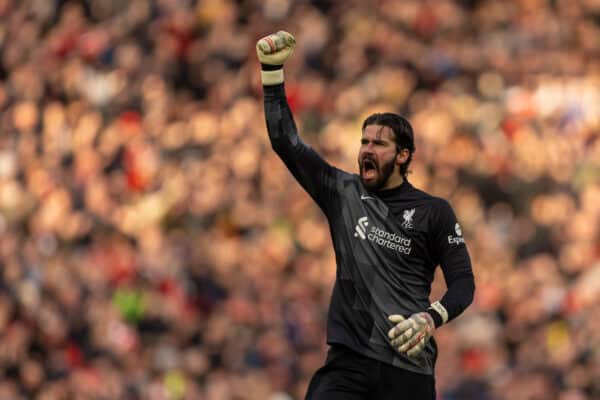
(402, 156)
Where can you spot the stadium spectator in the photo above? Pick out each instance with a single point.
(152, 246)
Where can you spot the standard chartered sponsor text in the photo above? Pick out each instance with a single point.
(392, 241)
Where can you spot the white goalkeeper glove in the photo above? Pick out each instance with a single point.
(272, 51)
(411, 335)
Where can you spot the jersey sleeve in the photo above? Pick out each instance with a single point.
(313, 173)
(450, 252)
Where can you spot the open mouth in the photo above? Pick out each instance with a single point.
(369, 168)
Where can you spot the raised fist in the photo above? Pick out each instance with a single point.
(275, 48)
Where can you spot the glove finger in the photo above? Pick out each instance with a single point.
(408, 335)
(412, 342)
(275, 42)
(396, 318)
(280, 57)
(406, 347)
(401, 327)
(287, 38)
(265, 45)
(416, 350)
(404, 338)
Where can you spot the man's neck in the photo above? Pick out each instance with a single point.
(393, 182)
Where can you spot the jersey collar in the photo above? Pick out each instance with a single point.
(403, 188)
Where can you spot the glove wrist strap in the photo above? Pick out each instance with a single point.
(272, 77)
(440, 310)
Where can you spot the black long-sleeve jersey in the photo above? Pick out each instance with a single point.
(387, 246)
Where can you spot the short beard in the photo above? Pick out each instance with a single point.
(386, 171)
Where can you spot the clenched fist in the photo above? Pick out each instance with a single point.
(272, 51)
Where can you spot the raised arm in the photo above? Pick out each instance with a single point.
(315, 175)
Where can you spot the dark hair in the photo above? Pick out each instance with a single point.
(403, 133)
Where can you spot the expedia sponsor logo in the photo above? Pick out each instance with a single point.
(458, 239)
(380, 237)
(455, 239)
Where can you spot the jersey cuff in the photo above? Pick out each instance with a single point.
(269, 67)
(437, 320)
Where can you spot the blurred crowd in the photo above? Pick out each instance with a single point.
(152, 246)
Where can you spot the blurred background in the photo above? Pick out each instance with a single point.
(152, 246)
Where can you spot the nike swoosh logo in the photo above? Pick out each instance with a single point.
(363, 197)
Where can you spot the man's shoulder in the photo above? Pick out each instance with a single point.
(426, 196)
(348, 178)
(433, 202)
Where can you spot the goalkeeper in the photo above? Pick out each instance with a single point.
(388, 237)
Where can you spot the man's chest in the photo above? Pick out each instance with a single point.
(400, 230)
